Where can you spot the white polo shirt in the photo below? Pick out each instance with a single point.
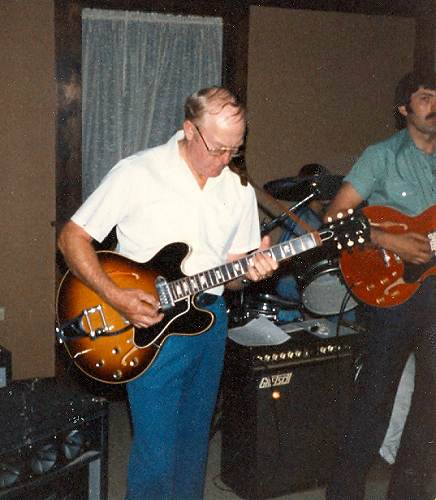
(153, 199)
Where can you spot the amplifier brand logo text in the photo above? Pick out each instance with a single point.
(275, 380)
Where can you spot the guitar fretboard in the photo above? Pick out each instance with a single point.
(190, 285)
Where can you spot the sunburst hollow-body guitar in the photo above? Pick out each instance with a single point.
(108, 348)
(378, 277)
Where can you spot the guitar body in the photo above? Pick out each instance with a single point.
(124, 352)
(378, 277)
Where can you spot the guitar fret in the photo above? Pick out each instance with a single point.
(297, 247)
(203, 281)
(230, 271)
(193, 284)
(172, 288)
(237, 268)
(198, 282)
(284, 251)
(219, 275)
(178, 290)
(225, 272)
(187, 286)
(208, 279)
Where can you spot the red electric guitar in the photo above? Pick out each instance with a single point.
(379, 277)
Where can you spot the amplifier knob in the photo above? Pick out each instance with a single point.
(275, 357)
(267, 357)
(290, 354)
(322, 350)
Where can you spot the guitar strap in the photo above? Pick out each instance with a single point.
(244, 176)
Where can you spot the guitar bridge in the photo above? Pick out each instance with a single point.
(163, 290)
(87, 315)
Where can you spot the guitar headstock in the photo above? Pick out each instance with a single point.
(346, 231)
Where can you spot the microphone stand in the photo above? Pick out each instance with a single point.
(267, 227)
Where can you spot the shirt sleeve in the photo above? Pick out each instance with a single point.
(107, 205)
(366, 172)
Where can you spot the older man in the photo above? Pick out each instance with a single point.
(179, 191)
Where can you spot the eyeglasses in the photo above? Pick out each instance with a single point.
(234, 152)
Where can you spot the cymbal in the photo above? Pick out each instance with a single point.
(324, 187)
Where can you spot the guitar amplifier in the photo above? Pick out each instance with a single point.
(283, 407)
(53, 442)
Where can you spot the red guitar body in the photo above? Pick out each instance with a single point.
(379, 277)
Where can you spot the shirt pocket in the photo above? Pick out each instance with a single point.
(404, 195)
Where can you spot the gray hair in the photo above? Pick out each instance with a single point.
(211, 100)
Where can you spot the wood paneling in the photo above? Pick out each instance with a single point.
(27, 187)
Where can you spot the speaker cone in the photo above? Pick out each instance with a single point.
(9, 473)
(73, 444)
(44, 458)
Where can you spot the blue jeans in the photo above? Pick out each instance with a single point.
(394, 333)
(172, 406)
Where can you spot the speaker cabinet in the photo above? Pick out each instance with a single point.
(53, 442)
(282, 410)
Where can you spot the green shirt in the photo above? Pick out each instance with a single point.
(396, 173)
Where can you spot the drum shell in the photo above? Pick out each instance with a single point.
(323, 292)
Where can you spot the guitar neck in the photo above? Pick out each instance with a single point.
(190, 285)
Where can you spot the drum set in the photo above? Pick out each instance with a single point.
(316, 273)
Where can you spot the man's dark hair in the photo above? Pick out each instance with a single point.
(407, 86)
(410, 83)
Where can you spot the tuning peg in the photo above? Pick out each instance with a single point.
(339, 246)
(361, 240)
(329, 219)
(340, 215)
(350, 243)
(350, 211)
